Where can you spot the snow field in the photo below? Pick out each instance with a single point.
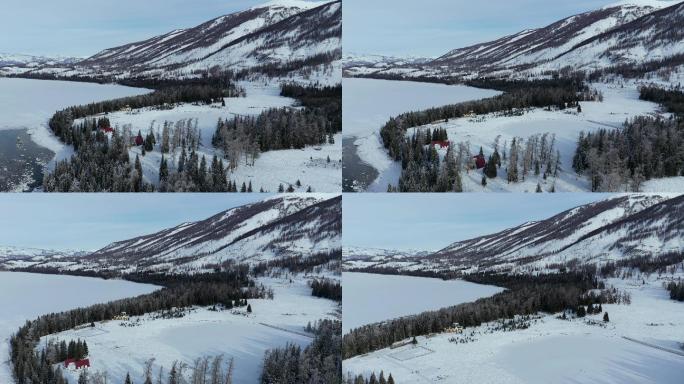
(116, 349)
(555, 350)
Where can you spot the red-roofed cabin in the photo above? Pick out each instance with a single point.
(69, 361)
(107, 129)
(480, 161)
(441, 143)
(85, 363)
(139, 140)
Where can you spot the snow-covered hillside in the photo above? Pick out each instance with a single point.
(627, 32)
(275, 228)
(617, 228)
(299, 39)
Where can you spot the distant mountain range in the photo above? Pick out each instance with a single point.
(272, 229)
(624, 33)
(287, 37)
(613, 229)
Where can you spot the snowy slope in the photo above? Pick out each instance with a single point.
(619, 227)
(283, 226)
(18, 253)
(626, 32)
(17, 63)
(287, 35)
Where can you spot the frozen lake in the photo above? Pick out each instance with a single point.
(371, 298)
(25, 296)
(369, 103)
(25, 107)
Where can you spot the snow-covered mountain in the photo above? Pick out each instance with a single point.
(13, 63)
(282, 35)
(620, 227)
(275, 228)
(370, 254)
(628, 32)
(355, 64)
(21, 253)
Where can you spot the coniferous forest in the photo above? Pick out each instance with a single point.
(644, 148)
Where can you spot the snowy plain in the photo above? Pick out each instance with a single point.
(309, 165)
(554, 350)
(116, 349)
(371, 298)
(367, 104)
(25, 296)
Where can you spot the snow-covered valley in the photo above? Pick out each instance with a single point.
(642, 343)
(25, 296)
(372, 298)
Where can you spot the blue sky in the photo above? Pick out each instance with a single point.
(431, 221)
(84, 27)
(433, 27)
(91, 221)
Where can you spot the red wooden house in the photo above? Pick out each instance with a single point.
(69, 361)
(139, 140)
(107, 129)
(85, 363)
(441, 143)
(480, 161)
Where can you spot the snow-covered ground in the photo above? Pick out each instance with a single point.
(371, 298)
(619, 104)
(367, 104)
(554, 350)
(309, 165)
(245, 337)
(25, 296)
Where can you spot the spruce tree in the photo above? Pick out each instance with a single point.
(128, 379)
(605, 317)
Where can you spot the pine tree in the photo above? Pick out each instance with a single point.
(484, 181)
(281, 189)
(163, 171)
(249, 308)
(390, 379)
(243, 188)
(128, 379)
(290, 189)
(249, 187)
(539, 189)
(605, 317)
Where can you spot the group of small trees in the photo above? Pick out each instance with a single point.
(676, 290)
(372, 379)
(327, 288)
(318, 363)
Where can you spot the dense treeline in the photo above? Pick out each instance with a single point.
(671, 99)
(372, 379)
(327, 288)
(676, 290)
(646, 264)
(328, 99)
(224, 288)
(318, 363)
(662, 68)
(525, 295)
(301, 264)
(523, 94)
(645, 148)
